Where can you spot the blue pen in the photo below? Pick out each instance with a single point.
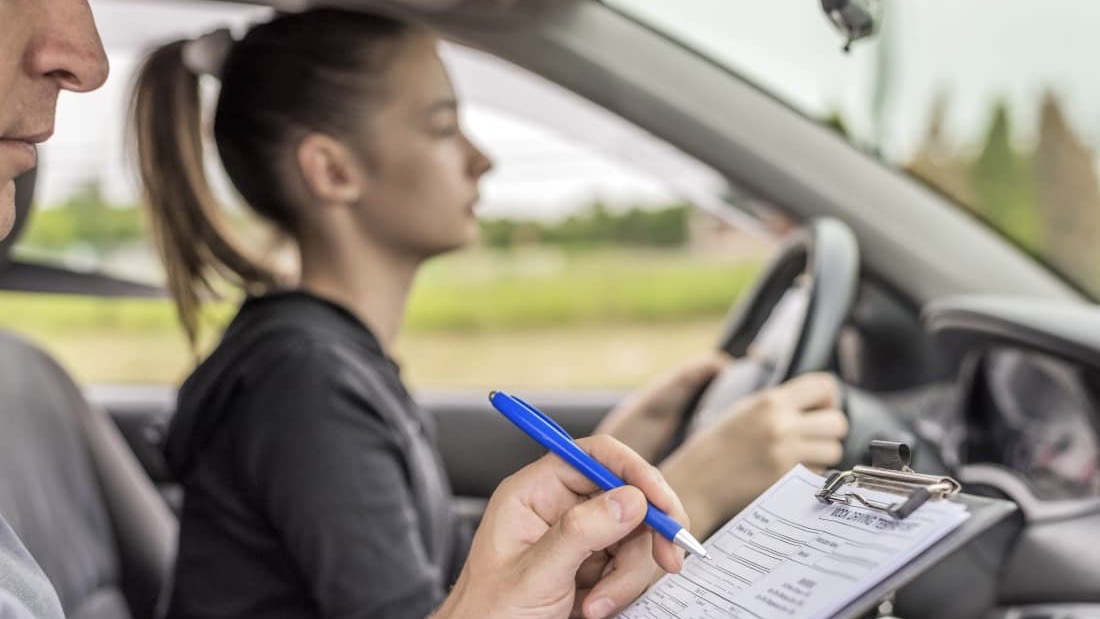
(553, 437)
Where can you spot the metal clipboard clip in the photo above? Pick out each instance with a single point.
(889, 472)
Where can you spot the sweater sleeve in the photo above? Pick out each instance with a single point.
(329, 473)
(25, 593)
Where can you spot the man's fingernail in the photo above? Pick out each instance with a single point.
(616, 507)
(659, 477)
(601, 608)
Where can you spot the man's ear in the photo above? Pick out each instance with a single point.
(331, 171)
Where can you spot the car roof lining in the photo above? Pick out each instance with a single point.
(446, 15)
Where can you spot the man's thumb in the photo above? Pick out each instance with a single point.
(586, 528)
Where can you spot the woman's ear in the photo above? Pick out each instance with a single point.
(331, 171)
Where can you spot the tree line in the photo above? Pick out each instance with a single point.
(87, 219)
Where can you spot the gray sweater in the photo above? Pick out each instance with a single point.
(25, 593)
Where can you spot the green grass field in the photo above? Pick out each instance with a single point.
(604, 318)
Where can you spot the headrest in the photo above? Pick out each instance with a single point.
(31, 277)
(24, 195)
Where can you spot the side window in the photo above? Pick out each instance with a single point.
(86, 219)
(599, 264)
(605, 255)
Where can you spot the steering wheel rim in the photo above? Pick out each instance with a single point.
(824, 257)
(827, 254)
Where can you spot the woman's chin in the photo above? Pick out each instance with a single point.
(457, 244)
(471, 234)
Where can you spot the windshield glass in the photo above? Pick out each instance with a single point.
(996, 105)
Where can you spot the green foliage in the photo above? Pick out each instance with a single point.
(478, 291)
(84, 218)
(64, 316)
(583, 299)
(595, 227)
(1002, 183)
(835, 121)
(539, 288)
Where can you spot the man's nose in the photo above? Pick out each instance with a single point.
(67, 47)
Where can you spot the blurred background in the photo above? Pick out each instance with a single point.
(607, 256)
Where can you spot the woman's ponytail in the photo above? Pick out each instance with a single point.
(189, 227)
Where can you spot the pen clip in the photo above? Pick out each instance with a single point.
(543, 416)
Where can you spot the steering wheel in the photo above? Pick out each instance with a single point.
(787, 324)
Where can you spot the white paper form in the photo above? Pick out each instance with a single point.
(787, 555)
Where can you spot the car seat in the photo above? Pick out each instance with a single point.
(71, 488)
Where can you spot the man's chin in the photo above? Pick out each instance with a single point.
(7, 208)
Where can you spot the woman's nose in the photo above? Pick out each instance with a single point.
(481, 163)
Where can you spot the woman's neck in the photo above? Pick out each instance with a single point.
(373, 285)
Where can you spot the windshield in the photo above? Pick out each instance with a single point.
(996, 105)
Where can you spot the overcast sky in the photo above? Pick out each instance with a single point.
(976, 50)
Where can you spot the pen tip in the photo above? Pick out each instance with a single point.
(685, 540)
(492, 394)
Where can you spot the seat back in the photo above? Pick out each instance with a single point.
(75, 495)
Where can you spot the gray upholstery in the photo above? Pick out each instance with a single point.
(75, 495)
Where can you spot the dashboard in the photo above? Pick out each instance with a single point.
(1035, 415)
(1028, 391)
(1017, 416)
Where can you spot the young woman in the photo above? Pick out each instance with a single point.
(313, 485)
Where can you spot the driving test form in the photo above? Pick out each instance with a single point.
(789, 555)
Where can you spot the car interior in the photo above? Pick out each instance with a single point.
(945, 335)
(73, 490)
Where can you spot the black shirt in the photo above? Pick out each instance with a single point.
(313, 487)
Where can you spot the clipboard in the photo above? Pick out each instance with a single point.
(835, 546)
(890, 472)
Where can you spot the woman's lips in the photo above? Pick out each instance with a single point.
(22, 154)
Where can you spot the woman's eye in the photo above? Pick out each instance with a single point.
(447, 131)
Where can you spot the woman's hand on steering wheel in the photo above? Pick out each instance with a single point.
(646, 421)
(722, 468)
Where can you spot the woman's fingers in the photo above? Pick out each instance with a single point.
(820, 454)
(809, 392)
(823, 424)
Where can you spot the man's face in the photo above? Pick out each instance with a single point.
(46, 46)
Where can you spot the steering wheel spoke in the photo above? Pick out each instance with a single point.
(788, 323)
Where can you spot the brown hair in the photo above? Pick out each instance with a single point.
(318, 71)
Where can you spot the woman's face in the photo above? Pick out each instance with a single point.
(423, 172)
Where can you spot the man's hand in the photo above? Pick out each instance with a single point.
(544, 549)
